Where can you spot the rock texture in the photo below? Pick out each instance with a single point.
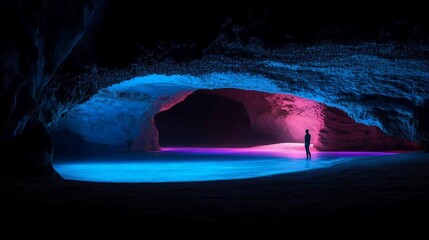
(126, 115)
(284, 118)
(246, 47)
(341, 132)
(39, 36)
(206, 119)
(32, 149)
(123, 114)
(381, 85)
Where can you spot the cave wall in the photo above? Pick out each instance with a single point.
(383, 85)
(372, 85)
(147, 137)
(37, 37)
(281, 115)
(122, 117)
(204, 119)
(286, 117)
(341, 132)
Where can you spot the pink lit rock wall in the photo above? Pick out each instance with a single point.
(343, 133)
(285, 117)
(123, 119)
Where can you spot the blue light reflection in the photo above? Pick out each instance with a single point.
(188, 167)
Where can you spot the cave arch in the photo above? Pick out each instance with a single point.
(124, 117)
(205, 118)
(232, 117)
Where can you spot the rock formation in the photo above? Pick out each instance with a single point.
(40, 35)
(252, 46)
(128, 115)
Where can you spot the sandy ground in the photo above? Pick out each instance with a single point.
(390, 191)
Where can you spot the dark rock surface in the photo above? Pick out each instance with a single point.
(32, 152)
(206, 119)
(37, 37)
(375, 194)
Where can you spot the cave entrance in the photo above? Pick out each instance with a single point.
(209, 118)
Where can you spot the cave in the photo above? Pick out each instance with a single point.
(207, 119)
(186, 114)
(243, 118)
(204, 134)
(187, 127)
(143, 114)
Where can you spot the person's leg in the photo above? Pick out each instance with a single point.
(307, 150)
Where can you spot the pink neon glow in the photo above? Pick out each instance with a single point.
(287, 150)
(283, 115)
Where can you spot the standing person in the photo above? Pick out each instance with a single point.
(307, 144)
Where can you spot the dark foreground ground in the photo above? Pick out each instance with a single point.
(390, 191)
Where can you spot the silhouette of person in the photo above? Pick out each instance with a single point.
(307, 144)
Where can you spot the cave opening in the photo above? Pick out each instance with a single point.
(148, 113)
(207, 119)
(174, 128)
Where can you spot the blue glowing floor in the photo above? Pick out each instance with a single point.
(191, 164)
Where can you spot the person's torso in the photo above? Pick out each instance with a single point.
(307, 138)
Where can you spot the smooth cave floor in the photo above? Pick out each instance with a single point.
(372, 192)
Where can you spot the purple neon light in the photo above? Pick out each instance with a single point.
(288, 150)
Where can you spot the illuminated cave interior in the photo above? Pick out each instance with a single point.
(145, 113)
(185, 91)
(204, 119)
(166, 127)
(234, 118)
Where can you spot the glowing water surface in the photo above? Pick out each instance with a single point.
(201, 164)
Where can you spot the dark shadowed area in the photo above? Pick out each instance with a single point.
(204, 119)
(382, 192)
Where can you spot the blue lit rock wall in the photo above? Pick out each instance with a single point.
(374, 90)
(122, 116)
(381, 85)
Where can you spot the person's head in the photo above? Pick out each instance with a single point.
(306, 130)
